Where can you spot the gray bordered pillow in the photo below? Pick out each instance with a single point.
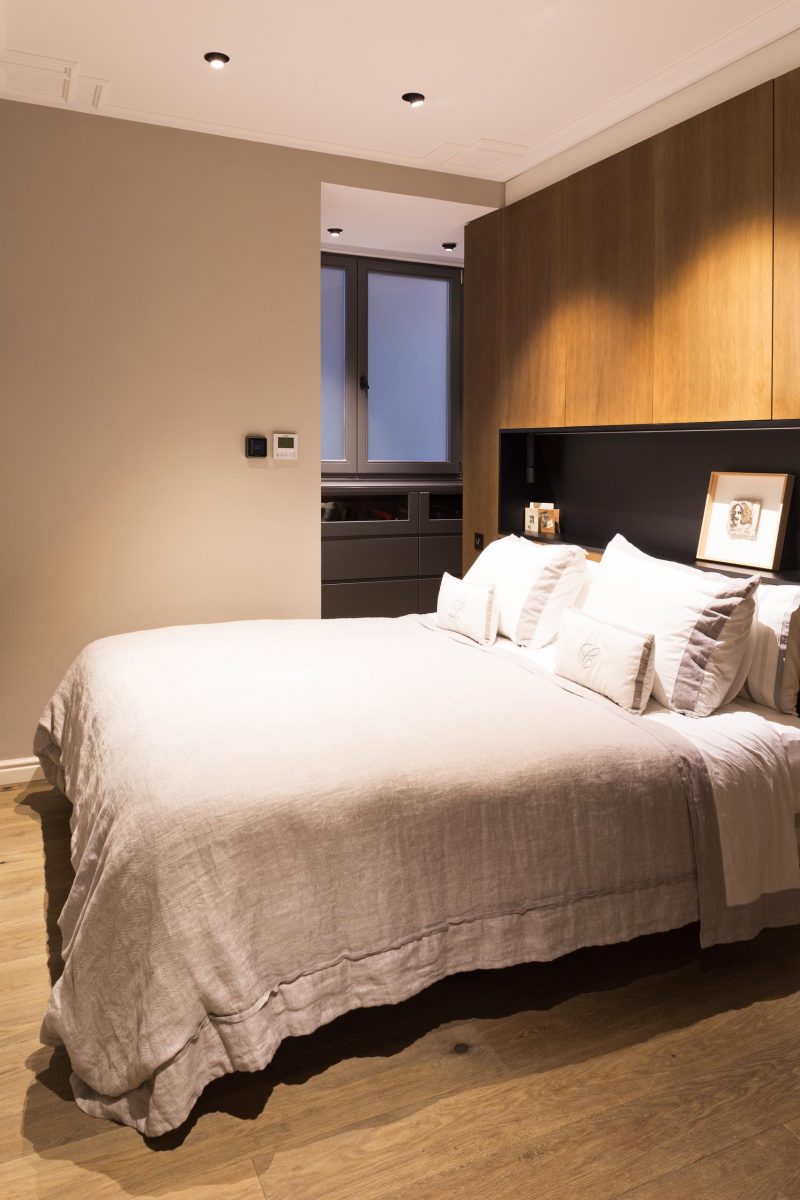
(615, 662)
(534, 585)
(774, 675)
(702, 623)
(468, 608)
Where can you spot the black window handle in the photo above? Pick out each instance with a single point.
(363, 383)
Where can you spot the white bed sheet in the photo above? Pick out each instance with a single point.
(752, 755)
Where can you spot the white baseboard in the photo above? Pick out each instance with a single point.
(19, 770)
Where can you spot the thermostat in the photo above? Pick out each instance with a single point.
(284, 445)
(255, 446)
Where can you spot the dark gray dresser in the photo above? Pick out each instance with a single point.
(386, 546)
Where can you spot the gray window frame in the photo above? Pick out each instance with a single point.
(346, 466)
(357, 464)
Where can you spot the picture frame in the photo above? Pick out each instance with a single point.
(744, 522)
(549, 522)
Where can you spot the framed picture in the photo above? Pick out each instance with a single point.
(549, 522)
(745, 519)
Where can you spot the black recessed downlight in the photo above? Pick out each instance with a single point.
(449, 246)
(415, 99)
(216, 59)
(335, 231)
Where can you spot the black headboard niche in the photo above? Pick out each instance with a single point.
(648, 482)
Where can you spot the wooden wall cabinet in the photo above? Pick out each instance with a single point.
(609, 291)
(786, 326)
(482, 389)
(713, 264)
(640, 291)
(533, 327)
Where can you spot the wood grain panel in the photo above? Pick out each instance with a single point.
(609, 281)
(481, 439)
(533, 327)
(786, 325)
(713, 264)
(766, 1167)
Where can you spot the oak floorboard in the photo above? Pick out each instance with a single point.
(599, 1073)
(559, 1135)
(26, 1179)
(764, 1167)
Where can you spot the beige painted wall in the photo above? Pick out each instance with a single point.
(159, 298)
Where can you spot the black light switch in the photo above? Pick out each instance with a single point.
(255, 446)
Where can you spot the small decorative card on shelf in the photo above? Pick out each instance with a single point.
(542, 519)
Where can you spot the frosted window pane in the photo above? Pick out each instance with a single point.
(334, 365)
(408, 353)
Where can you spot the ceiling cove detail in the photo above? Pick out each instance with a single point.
(40, 79)
(43, 80)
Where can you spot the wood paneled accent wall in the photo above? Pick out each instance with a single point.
(659, 286)
(532, 332)
(786, 314)
(481, 439)
(713, 237)
(609, 298)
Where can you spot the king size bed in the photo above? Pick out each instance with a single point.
(277, 821)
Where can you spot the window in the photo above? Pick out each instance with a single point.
(391, 377)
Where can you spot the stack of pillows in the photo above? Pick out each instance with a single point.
(632, 625)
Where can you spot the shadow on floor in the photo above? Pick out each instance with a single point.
(52, 811)
(481, 995)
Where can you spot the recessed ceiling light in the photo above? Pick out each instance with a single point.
(449, 246)
(216, 59)
(335, 231)
(415, 99)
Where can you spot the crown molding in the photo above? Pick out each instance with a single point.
(39, 79)
(757, 68)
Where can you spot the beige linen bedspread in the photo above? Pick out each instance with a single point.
(277, 821)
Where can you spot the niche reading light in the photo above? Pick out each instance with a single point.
(216, 59)
(415, 99)
(335, 231)
(449, 246)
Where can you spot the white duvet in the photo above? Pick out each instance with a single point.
(752, 754)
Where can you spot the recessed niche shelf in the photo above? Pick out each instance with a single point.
(646, 482)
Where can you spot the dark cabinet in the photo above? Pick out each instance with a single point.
(385, 548)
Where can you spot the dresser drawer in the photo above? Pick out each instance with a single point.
(439, 554)
(369, 558)
(428, 595)
(389, 598)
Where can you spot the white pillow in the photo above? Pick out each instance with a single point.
(591, 566)
(618, 663)
(701, 620)
(774, 675)
(739, 678)
(468, 608)
(534, 585)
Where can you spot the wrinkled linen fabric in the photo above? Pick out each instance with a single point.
(277, 821)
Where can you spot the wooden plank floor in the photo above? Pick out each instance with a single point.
(648, 1071)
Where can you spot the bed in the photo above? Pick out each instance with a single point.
(277, 821)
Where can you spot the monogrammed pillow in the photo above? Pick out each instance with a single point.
(618, 663)
(534, 585)
(468, 608)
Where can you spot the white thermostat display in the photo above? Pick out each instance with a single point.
(284, 445)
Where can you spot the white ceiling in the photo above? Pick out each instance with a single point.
(510, 84)
(399, 226)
